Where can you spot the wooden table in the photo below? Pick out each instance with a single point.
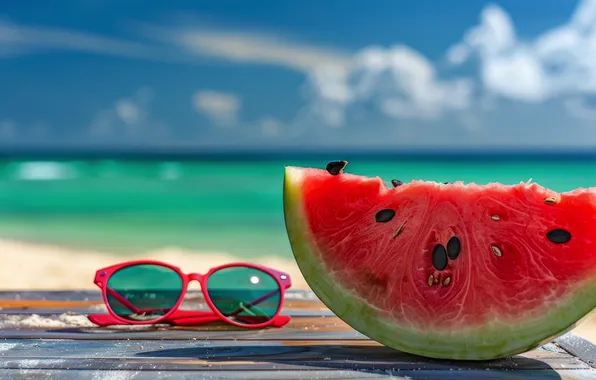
(46, 335)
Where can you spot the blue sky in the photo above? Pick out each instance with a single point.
(272, 74)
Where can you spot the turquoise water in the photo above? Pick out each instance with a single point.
(225, 206)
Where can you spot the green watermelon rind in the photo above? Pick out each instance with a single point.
(490, 341)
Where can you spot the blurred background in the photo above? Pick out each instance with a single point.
(160, 129)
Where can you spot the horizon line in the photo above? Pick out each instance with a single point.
(304, 153)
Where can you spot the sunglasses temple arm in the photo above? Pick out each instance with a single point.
(255, 302)
(130, 306)
(123, 300)
(104, 320)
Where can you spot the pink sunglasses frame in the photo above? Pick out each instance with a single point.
(187, 317)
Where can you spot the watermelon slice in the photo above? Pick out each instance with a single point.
(454, 271)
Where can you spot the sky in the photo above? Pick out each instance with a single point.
(223, 74)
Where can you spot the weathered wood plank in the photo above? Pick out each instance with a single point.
(281, 369)
(578, 347)
(234, 355)
(310, 375)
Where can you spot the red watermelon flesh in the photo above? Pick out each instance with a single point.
(385, 260)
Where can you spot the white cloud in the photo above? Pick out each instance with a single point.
(249, 47)
(128, 111)
(457, 54)
(182, 45)
(222, 108)
(125, 116)
(270, 126)
(561, 62)
(17, 39)
(400, 81)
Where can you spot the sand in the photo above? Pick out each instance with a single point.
(30, 266)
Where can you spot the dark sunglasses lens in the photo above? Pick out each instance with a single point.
(244, 295)
(143, 292)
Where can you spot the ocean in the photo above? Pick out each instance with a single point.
(231, 206)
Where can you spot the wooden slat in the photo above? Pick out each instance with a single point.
(315, 344)
(236, 355)
(303, 375)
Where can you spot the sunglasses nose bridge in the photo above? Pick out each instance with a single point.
(195, 277)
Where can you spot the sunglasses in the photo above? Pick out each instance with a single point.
(149, 292)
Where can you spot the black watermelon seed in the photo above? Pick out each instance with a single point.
(558, 236)
(396, 182)
(335, 167)
(446, 183)
(453, 247)
(439, 257)
(384, 215)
